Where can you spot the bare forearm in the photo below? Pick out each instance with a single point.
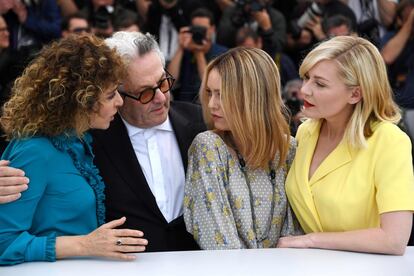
(386, 11)
(374, 240)
(223, 4)
(69, 246)
(68, 7)
(175, 63)
(201, 63)
(395, 45)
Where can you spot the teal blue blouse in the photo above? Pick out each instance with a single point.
(64, 198)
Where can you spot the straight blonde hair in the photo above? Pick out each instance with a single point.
(359, 65)
(252, 105)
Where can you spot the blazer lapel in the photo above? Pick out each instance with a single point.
(115, 141)
(340, 156)
(183, 132)
(306, 147)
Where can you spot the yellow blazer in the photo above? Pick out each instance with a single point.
(351, 188)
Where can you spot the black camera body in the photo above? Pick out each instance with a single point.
(369, 29)
(199, 33)
(243, 11)
(310, 14)
(102, 17)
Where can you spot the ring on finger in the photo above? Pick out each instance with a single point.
(118, 242)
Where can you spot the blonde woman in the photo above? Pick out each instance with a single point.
(234, 191)
(69, 88)
(351, 184)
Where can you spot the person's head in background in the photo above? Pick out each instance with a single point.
(292, 90)
(146, 89)
(127, 21)
(293, 100)
(337, 25)
(345, 80)
(241, 100)
(4, 35)
(70, 87)
(204, 18)
(249, 38)
(75, 24)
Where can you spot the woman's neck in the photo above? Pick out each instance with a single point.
(334, 128)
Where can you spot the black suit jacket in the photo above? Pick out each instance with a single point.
(127, 191)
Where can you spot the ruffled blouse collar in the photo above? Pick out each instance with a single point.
(80, 150)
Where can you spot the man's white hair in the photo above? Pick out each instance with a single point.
(131, 45)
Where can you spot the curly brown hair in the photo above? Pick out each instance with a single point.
(61, 87)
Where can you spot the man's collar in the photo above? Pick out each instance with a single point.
(133, 130)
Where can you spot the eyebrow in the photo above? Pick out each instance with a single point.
(150, 86)
(320, 78)
(215, 90)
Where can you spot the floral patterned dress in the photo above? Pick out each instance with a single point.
(228, 207)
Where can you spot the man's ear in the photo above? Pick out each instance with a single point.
(356, 95)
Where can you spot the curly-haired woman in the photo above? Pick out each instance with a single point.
(68, 89)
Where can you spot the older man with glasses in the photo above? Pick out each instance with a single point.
(142, 157)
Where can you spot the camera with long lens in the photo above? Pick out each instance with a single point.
(102, 17)
(198, 34)
(244, 9)
(310, 14)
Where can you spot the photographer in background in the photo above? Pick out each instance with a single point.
(249, 38)
(101, 14)
(305, 28)
(293, 99)
(337, 25)
(75, 24)
(31, 25)
(374, 17)
(164, 18)
(127, 21)
(398, 54)
(195, 50)
(259, 15)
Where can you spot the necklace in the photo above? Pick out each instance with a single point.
(272, 176)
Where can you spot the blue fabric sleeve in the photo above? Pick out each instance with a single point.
(46, 22)
(17, 244)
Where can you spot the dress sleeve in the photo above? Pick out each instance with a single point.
(207, 210)
(394, 180)
(17, 243)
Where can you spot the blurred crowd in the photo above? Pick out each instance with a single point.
(193, 32)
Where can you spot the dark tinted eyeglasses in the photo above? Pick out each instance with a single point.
(81, 30)
(146, 95)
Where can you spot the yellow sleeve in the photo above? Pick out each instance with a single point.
(393, 173)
